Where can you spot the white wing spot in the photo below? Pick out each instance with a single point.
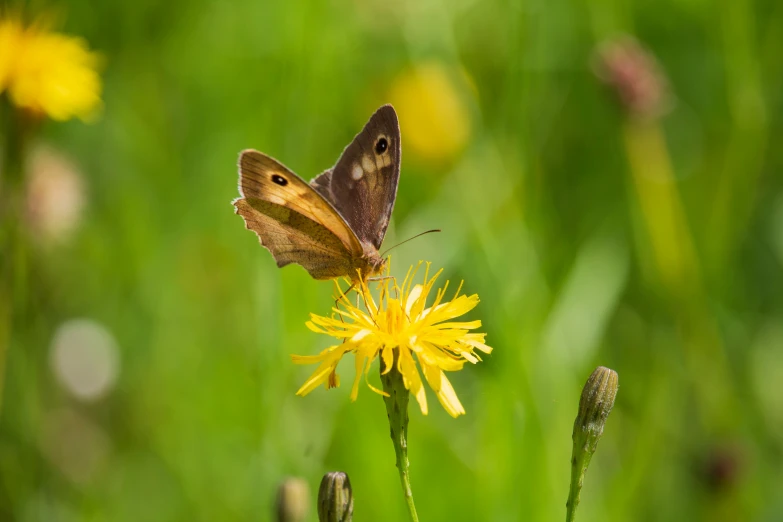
(368, 163)
(357, 172)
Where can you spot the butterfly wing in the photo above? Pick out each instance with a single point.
(322, 184)
(363, 183)
(292, 220)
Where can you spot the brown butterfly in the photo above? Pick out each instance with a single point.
(333, 226)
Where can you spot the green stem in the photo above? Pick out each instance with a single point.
(12, 266)
(580, 460)
(397, 413)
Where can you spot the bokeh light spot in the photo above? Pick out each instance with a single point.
(84, 357)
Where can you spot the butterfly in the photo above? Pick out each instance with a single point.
(333, 226)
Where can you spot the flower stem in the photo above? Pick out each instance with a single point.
(12, 292)
(397, 413)
(579, 463)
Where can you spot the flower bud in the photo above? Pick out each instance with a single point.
(293, 500)
(635, 76)
(597, 400)
(335, 498)
(594, 406)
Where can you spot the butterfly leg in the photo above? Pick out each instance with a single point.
(344, 295)
(380, 278)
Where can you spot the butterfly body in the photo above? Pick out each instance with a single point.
(333, 226)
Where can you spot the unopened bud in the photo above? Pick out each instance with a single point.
(335, 498)
(597, 400)
(594, 406)
(293, 500)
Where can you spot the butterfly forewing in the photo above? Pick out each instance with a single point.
(292, 220)
(363, 183)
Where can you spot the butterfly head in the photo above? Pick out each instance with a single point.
(373, 262)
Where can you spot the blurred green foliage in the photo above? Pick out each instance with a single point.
(653, 248)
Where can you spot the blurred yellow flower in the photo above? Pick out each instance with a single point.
(400, 321)
(434, 117)
(47, 72)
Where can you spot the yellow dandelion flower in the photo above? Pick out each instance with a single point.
(48, 73)
(400, 327)
(432, 101)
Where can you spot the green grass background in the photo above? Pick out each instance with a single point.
(540, 217)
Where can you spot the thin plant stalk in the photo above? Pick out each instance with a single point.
(579, 465)
(676, 261)
(12, 288)
(397, 413)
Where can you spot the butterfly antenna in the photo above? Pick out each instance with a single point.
(403, 242)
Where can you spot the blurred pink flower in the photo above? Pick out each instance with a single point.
(55, 196)
(635, 75)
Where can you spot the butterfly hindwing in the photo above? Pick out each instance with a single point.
(293, 238)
